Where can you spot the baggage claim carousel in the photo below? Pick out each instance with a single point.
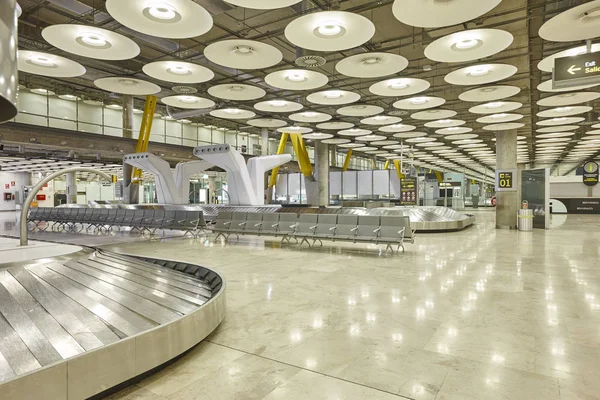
(75, 325)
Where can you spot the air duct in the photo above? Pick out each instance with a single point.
(309, 59)
(9, 77)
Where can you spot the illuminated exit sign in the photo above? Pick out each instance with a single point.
(579, 70)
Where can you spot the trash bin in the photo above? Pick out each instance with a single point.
(475, 201)
(525, 220)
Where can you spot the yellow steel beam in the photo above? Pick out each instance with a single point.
(387, 164)
(302, 154)
(280, 150)
(439, 176)
(144, 137)
(398, 169)
(347, 160)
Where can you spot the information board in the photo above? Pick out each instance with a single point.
(590, 173)
(408, 192)
(506, 180)
(579, 70)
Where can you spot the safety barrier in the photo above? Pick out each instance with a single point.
(105, 220)
(317, 227)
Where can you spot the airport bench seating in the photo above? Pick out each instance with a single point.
(388, 230)
(105, 220)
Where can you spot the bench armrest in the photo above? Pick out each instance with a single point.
(377, 230)
(333, 228)
(259, 224)
(295, 225)
(354, 229)
(274, 225)
(401, 232)
(313, 227)
(227, 223)
(242, 224)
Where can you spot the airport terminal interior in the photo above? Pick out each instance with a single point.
(300, 199)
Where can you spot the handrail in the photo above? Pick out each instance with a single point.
(24, 233)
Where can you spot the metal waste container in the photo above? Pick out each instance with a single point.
(475, 201)
(525, 220)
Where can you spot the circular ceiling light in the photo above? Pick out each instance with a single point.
(430, 115)
(173, 19)
(371, 65)
(568, 99)
(296, 79)
(454, 130)
(498, 118)
(463, 136)
(354, 132)
(263, 4)
(381, 120)
(330, 31)
(489, 93)
(419, 103)
(409, 135)
(178, 72)
(337, 141)
(560, 121)
(279, 106)
(69, 97)
(236, 91)
(294, 129)
(547, 64)
(546, 86)
(333, 97)
(562, 128)
(243, 54)
(468, 45)
(503, 127)
(88, 41)
(387, 144)
(399, 87)
(421, 140)
(370, 138)
(232, 113)
(335, 125)
(360, 110)
(127, 85)
(564, 111)
(188, 102)
(578, 23)
(44, 64)
(496, 107)
(310, 117)
(43, 92)
(267, 123)
(318, 136)
(445, 123)
(436, 13)
(480, 74)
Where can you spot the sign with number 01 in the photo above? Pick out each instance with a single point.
(506, 180)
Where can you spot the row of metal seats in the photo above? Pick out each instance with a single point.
(104, 220)
(316, 227)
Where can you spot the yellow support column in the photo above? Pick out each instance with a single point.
(280, 150)
(398, 169)
(144, 137)
(387, 164)
(347, 160)
(302, 154)
(439, 176)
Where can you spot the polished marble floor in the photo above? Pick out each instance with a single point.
(477, 314)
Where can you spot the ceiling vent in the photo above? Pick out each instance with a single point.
(398, 113)
(309, 59)
(184, 89)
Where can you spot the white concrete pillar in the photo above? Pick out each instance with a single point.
(71, 188)
(507, 203)
(333, 148)
(212, 186)
(128, 117)
(264, 142)
(322, 172)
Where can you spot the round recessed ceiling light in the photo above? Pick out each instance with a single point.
(236, 91)
(445, 123)
(435, 13)
(232, 113)
(480, 74)
(578, 23)
(173, 19)
(561, 128)
(468, 45)
(43, 92)
(568, 99)
(335, 125)
(294, 129)
(564, 111)
(337, 141)
(430, 115)
(546, 86)
(489, 93)
(360, 110)
(354, 132)
(267, 123)
(178, 72)
(44, 64)
(279, 106)
(310, 116)
(92, 42)
(333, 97)
(454, 130)
(419, 103)
(380, 120)
(296, 79)
(263, 4)
(398, 87)
(409, 135)
(547, 64)
(243, 54)
(330, 31)
(560, 121)
(317, 136)
(498, 118)
(503, 127)
(126, 85)
(188, 102)
(496, 107)
(371, 65)
(370, 138)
